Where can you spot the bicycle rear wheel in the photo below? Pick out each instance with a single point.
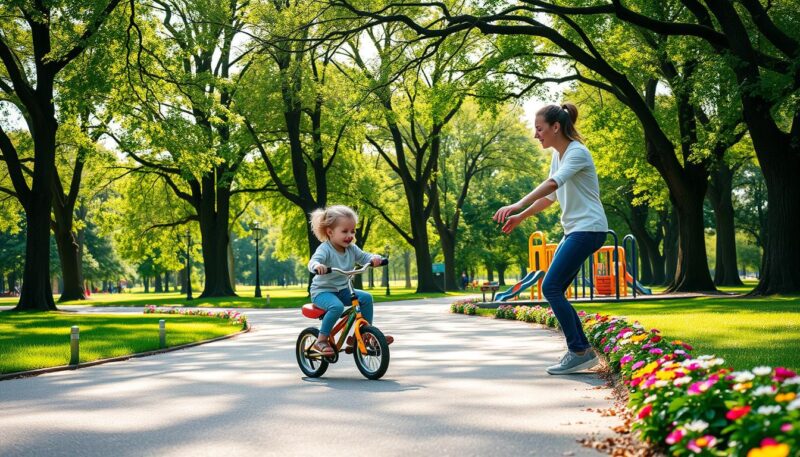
(312, 366)
(375, 362)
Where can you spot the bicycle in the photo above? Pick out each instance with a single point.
(370, 349)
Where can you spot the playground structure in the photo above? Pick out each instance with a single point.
(608, 268)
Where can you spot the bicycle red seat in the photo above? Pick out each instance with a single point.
(312, 312)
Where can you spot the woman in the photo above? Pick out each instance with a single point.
(573, 183)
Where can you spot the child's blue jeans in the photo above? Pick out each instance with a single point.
(334, 303)
(573, 250)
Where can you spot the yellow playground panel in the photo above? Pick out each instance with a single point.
(604, 270)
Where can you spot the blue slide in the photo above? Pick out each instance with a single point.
(639, 287)
(529, 280)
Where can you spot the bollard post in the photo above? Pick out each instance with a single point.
(162, 334)
(74, 339)
(268, 299)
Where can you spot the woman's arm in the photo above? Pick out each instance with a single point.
(542, 190)
(537, 207)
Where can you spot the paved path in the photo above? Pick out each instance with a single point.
(457, 385)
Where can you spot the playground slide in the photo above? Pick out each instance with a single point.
(639, 287)
(525, 283)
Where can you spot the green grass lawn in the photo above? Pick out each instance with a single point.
(38, 340)
(746, 332)
(279, 297)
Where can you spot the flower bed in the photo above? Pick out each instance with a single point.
(233, 316)
(465, 306)
(691, 405)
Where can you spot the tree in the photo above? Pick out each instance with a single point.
(34, 42)
(181, 122)
(475, 143)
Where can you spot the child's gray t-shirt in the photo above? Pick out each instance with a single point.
(326, 254)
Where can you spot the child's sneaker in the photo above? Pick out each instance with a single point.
(572, 362)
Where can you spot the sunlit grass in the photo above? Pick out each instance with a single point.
(38, 340)
(746, 332)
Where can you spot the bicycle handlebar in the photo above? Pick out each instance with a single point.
(357, 271)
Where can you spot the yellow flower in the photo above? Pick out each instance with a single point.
(645, 370)
(741, 387)
(789, 396)
(771, 450)
(639, 338)
(665, 375)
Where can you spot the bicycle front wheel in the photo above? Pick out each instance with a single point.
(375, 362)
(312, 365)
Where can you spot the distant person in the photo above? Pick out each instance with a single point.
(464, 280)
(573, 183)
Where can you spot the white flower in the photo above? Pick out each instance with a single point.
(696, 426)
(638, 326)
(763, 390)
(742, 376)
(705, 357)
(795, 404)
(792, 381)
(650, 399)
(627, 334)
(661, 383)
(767, 410)
(680, 351)
(715, 362)
(682, 380)
(762, 371)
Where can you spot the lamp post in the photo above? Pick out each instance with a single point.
(188, 237)
(386, 270)
(257, 235)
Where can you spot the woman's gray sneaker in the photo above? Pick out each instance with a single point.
(572, 362)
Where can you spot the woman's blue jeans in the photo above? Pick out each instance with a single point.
(334, 303)
(573, 250)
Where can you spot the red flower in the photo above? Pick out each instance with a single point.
(737, 411)
(645, 411)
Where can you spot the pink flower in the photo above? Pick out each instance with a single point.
(782, 374)
(786, 428)
(638, 365)
(644, 412)
(700, 387)
(656, 351)
(737, 412)
(625, 359)
(676, 436)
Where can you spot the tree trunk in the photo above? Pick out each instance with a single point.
(671, 246)
(645, 266)
(719, 194)
(425, 279)
(489, 273)
(2, 283)
(159, 287)
(37, 294)
(447, 240)
(407, 267)
(214, 212)
(501, 275)
(780, 269)
(692, 272)
(231, 262)
(166, 281)
(71, 262)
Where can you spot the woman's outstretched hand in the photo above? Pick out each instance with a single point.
(511, 223)
(502, 214)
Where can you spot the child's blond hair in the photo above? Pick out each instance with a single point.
(324, 218)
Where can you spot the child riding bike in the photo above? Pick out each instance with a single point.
(335, 227)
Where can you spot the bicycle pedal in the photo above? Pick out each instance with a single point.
(348, 350)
